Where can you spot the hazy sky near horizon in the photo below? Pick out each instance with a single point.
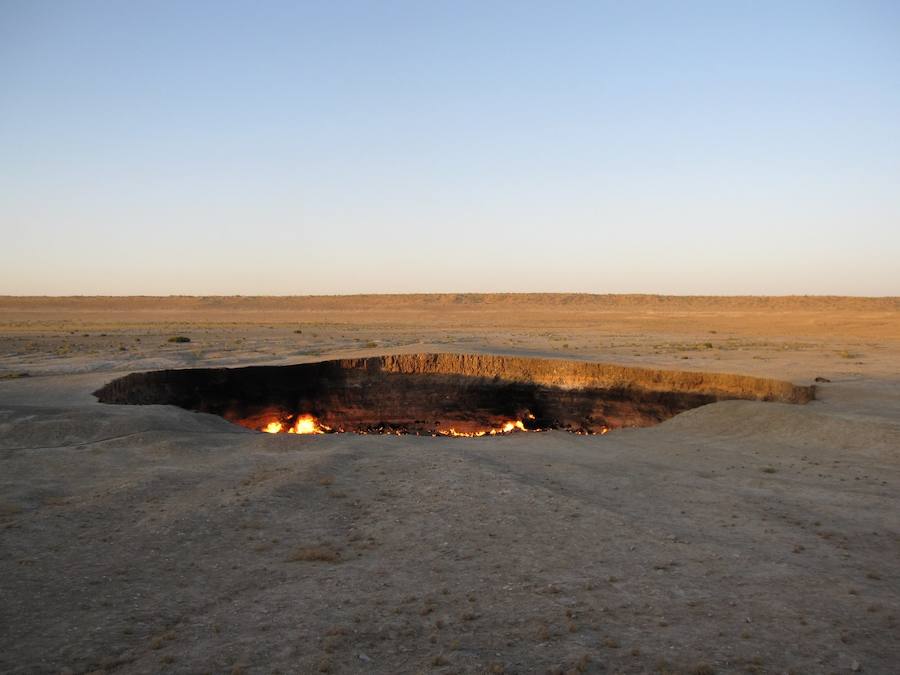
(339, 147)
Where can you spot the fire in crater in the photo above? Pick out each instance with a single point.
(308, 424)
(441, 395)
(505, 428)
(302, 424)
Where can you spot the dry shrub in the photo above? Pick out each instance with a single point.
(703, 669)
(322, 553)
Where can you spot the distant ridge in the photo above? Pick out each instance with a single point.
(457, 300)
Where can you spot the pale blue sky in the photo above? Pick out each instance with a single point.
(339, 147)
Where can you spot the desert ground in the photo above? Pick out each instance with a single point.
(737, 537)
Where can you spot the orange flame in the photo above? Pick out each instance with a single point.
(505, 428)
(510, 426)
(303, 424)
(307, 424)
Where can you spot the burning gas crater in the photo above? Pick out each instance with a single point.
(469, 395)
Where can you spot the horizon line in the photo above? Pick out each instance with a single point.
(448, 293)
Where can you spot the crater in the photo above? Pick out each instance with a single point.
(443, 394)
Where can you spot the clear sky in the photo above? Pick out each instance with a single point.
(214, 147)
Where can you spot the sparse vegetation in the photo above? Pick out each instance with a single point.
(703, 669)
(159, 641)
(322, 553)
(583, 663)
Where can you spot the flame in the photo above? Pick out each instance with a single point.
(510, 426)
(302, 424)
(505, 428)
(307, 424)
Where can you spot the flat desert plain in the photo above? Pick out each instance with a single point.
(738, 537)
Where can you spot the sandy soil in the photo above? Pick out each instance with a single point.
(737, 537)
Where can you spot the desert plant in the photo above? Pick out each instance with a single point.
(315, 554)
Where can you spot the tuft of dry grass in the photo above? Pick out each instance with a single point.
(583, 663)
(158, 641)
(703, 669)
(322, 553)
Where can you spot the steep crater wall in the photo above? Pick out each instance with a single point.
(433, 393)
